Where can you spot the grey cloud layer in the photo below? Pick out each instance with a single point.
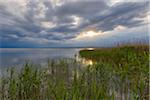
(19, 22)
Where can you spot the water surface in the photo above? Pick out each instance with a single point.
(18, 56)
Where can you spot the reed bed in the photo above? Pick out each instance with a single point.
(116, 74)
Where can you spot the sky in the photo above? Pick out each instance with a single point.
(73, 23)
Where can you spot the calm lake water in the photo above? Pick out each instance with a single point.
(18, 56)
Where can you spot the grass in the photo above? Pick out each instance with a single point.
(120, 73)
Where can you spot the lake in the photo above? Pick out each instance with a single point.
(18, 56)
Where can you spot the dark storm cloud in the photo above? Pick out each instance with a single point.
(96, 14)
(86, 9)
(122, 14)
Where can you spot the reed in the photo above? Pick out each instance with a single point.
(118, 73)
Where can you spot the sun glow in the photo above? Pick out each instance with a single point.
(88, 34)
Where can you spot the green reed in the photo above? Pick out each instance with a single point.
(118, 73)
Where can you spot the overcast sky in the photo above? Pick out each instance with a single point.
(72, 23)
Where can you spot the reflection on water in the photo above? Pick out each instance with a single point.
(18, 56)
(90, 48)
(84, 61)
(87, 62)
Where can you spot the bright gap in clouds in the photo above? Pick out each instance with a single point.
(88, 34)
(77, 20)
(48, 24)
